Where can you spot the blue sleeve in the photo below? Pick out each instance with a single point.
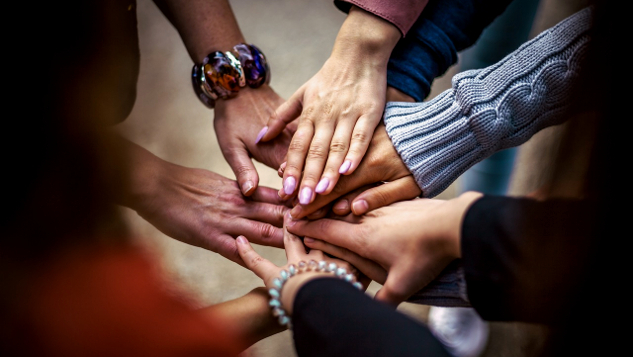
(431, 46)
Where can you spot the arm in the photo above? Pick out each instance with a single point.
(207, 26)
(443, 29)
(338, 109)
(491, 109)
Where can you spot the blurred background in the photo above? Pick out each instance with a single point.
(168, 120)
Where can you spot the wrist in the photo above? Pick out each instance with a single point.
(367, 36)
(460, 206)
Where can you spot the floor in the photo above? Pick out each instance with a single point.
(297, 36)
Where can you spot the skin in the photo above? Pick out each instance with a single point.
(338, 109)
(200, 207)
(207, 26)
(413, 241)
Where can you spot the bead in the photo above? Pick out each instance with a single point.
(292, 269)
(322, 265)
(302, 266)
(312, 264)
(274, 293)
(358, 285)
(349, 278)
(340, 272)
(241, 80)
(274, 303)
(221, 77)
(196, 80)
(284, 320)
(277, 283)
(331, 267)
(278, 312)
(254, 64)
(284, 275)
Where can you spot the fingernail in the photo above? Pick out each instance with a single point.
(241, 240)
(345, 167)
(322, 185)
(305, 196)
(342, 205)
(308, 240)
(359, 207)
(261, 134)
(289, 185)
(247, 187)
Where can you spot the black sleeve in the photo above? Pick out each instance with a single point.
(332, 318)
(526, 260)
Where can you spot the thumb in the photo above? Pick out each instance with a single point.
(243, 168)
(397, 288)
(284, 114)
(399, 190)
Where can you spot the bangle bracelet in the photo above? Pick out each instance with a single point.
(222, 74)
(302, 266)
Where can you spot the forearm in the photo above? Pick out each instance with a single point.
(248, 317)
(204, 25)
(491, 109)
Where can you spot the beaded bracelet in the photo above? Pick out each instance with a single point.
(222, 74)
(302, 266)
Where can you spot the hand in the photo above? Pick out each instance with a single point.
(237, 122)
(295, 252)
(338, 109)
(381, 164)
(413, 240)
(200, 207)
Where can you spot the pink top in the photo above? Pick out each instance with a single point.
(401, 13)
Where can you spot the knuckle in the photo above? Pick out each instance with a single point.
(360, 136)
(267, 231)
(317, 151)
(338, 146)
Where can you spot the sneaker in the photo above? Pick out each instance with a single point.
(460, 329)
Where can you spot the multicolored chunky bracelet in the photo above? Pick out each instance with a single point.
(302, 266)
(222, 74)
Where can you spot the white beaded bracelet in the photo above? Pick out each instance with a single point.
(302, 266)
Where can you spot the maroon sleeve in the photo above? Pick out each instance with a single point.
(401, 13)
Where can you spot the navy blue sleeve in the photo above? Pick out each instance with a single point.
(332, 318)
(431, 46)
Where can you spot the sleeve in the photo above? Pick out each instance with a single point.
(328, 312)
(444, 28)
(401, 13)
(490, 109)
(525, 260)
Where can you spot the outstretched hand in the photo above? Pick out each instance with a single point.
(200, 207)
(382, 169)
(413, 241)
(237, 123)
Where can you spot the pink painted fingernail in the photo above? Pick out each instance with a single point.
(345, 167)
(305, 196)
(289, 185)
(261, 134)
(322, 185)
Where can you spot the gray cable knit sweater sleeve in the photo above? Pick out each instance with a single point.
(490, 109)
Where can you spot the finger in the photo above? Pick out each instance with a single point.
(399, 286)
(252, 260)
(284, 114)
(398, 190)
(336, 232)
(343, 206)
(366, 266)
(243, 168)
(225, 245)
(267, 212)
(361, 136)
(296, 156)
(295, 249)
(314, 162)
(337, 151)
(282, 168)
(259, 232)
(268, 195)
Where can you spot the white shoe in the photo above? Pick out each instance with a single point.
(460, 329)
